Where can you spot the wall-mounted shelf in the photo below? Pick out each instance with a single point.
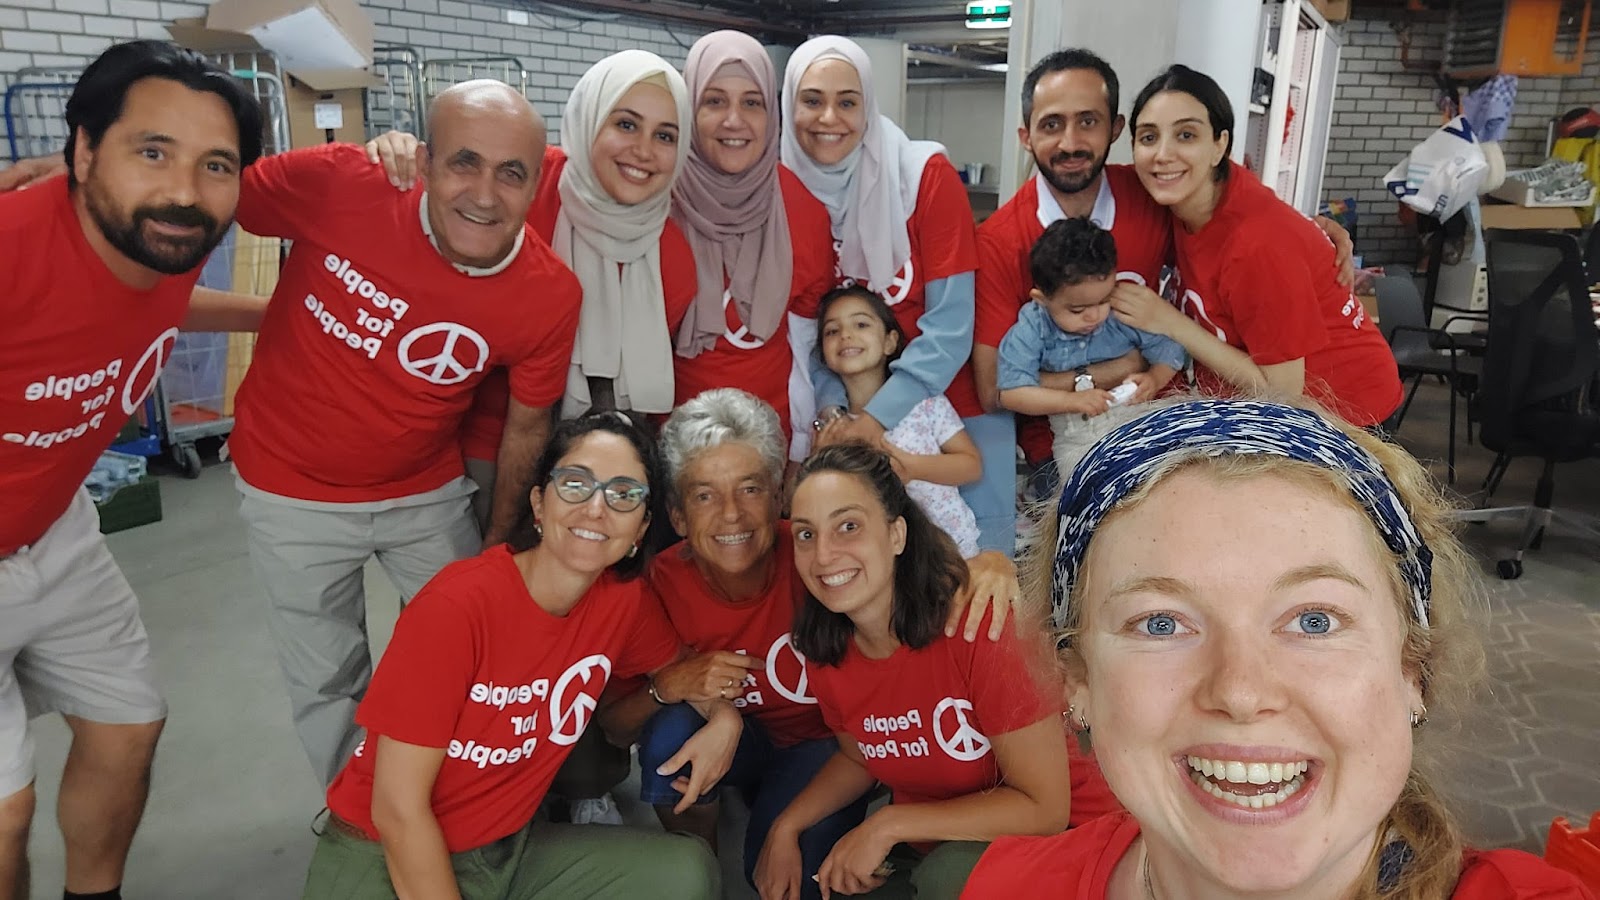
(1286, 151)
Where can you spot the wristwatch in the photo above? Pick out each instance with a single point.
(1084, 381)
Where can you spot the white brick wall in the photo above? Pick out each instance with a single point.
(1382, 110)
(554, 50)
(1584, 89)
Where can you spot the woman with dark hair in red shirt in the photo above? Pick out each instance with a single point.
(1255, 273)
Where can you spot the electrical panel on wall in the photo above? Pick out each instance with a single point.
(1516, 37)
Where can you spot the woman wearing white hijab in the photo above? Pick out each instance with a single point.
(762, 244)
(606, 217)
(903, 227)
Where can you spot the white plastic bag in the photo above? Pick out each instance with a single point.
(1442, 174)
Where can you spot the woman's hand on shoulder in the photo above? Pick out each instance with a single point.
(991, 582)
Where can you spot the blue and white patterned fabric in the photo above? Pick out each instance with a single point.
(1125, 458)
(1489, 108)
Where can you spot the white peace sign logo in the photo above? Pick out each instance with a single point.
(741, 339)
(897, 289)
(443, 367)
(801, 692)
(156, 356)
(577, 715)
(901, 285)
(966, 743)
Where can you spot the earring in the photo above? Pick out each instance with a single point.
(538, 529)
(1419, 717)
(633, 551)
(1076, 718)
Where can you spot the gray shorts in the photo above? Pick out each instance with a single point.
(72, 642)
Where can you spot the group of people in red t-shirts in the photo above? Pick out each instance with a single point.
(460, 374)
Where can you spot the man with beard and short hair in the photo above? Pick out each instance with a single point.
(96, 271)
(1069, 121)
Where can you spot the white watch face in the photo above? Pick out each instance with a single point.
(1083, 382)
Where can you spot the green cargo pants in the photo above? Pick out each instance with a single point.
(540, 862)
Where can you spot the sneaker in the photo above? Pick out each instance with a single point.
(598, 811)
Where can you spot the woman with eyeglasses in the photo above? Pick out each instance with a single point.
(492, 675)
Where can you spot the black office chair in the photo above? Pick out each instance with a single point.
(1535, 394)
(1591, 256)
(1417, 352)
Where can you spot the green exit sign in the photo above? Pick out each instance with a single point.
(983, 14)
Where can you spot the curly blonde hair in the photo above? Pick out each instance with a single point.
(1446, 657)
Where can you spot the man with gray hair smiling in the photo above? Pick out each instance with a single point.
(391, 308)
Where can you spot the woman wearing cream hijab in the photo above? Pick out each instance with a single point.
(623, 142)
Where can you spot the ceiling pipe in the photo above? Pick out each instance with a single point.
(688, 15)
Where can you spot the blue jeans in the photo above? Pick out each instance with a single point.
(993, 497)
(768, 778)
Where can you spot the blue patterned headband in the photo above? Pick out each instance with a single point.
(1125, 458)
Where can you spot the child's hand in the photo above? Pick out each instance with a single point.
(1089, 403)
(899, 460)
(1146, 384)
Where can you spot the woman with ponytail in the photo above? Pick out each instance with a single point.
(1263, 621)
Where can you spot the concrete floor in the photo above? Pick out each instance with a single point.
(233, 798)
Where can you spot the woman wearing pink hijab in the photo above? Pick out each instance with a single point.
(762, 244)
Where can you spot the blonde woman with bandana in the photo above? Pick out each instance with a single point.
(1265, 623)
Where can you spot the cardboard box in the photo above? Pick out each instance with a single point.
(308, 35)
(1505, 215)
(322, 46)
(1333, 10)
(1515, 190)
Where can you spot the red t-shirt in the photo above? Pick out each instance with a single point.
(478, 668)
(1078, 864)
(1261, 277)
(923, 718)
(777, 696)
(762, 367)
(78, 353)
(1141, 227)
(486, 420)
(942, 245)
(373, 342)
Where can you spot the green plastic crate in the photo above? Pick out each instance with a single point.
(134, 505)
(129, 432)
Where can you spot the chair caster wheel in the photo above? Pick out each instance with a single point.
(1509, 569)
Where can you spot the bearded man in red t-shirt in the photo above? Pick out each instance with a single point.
(96, 271)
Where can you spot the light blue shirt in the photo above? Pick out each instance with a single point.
(1037, 344)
